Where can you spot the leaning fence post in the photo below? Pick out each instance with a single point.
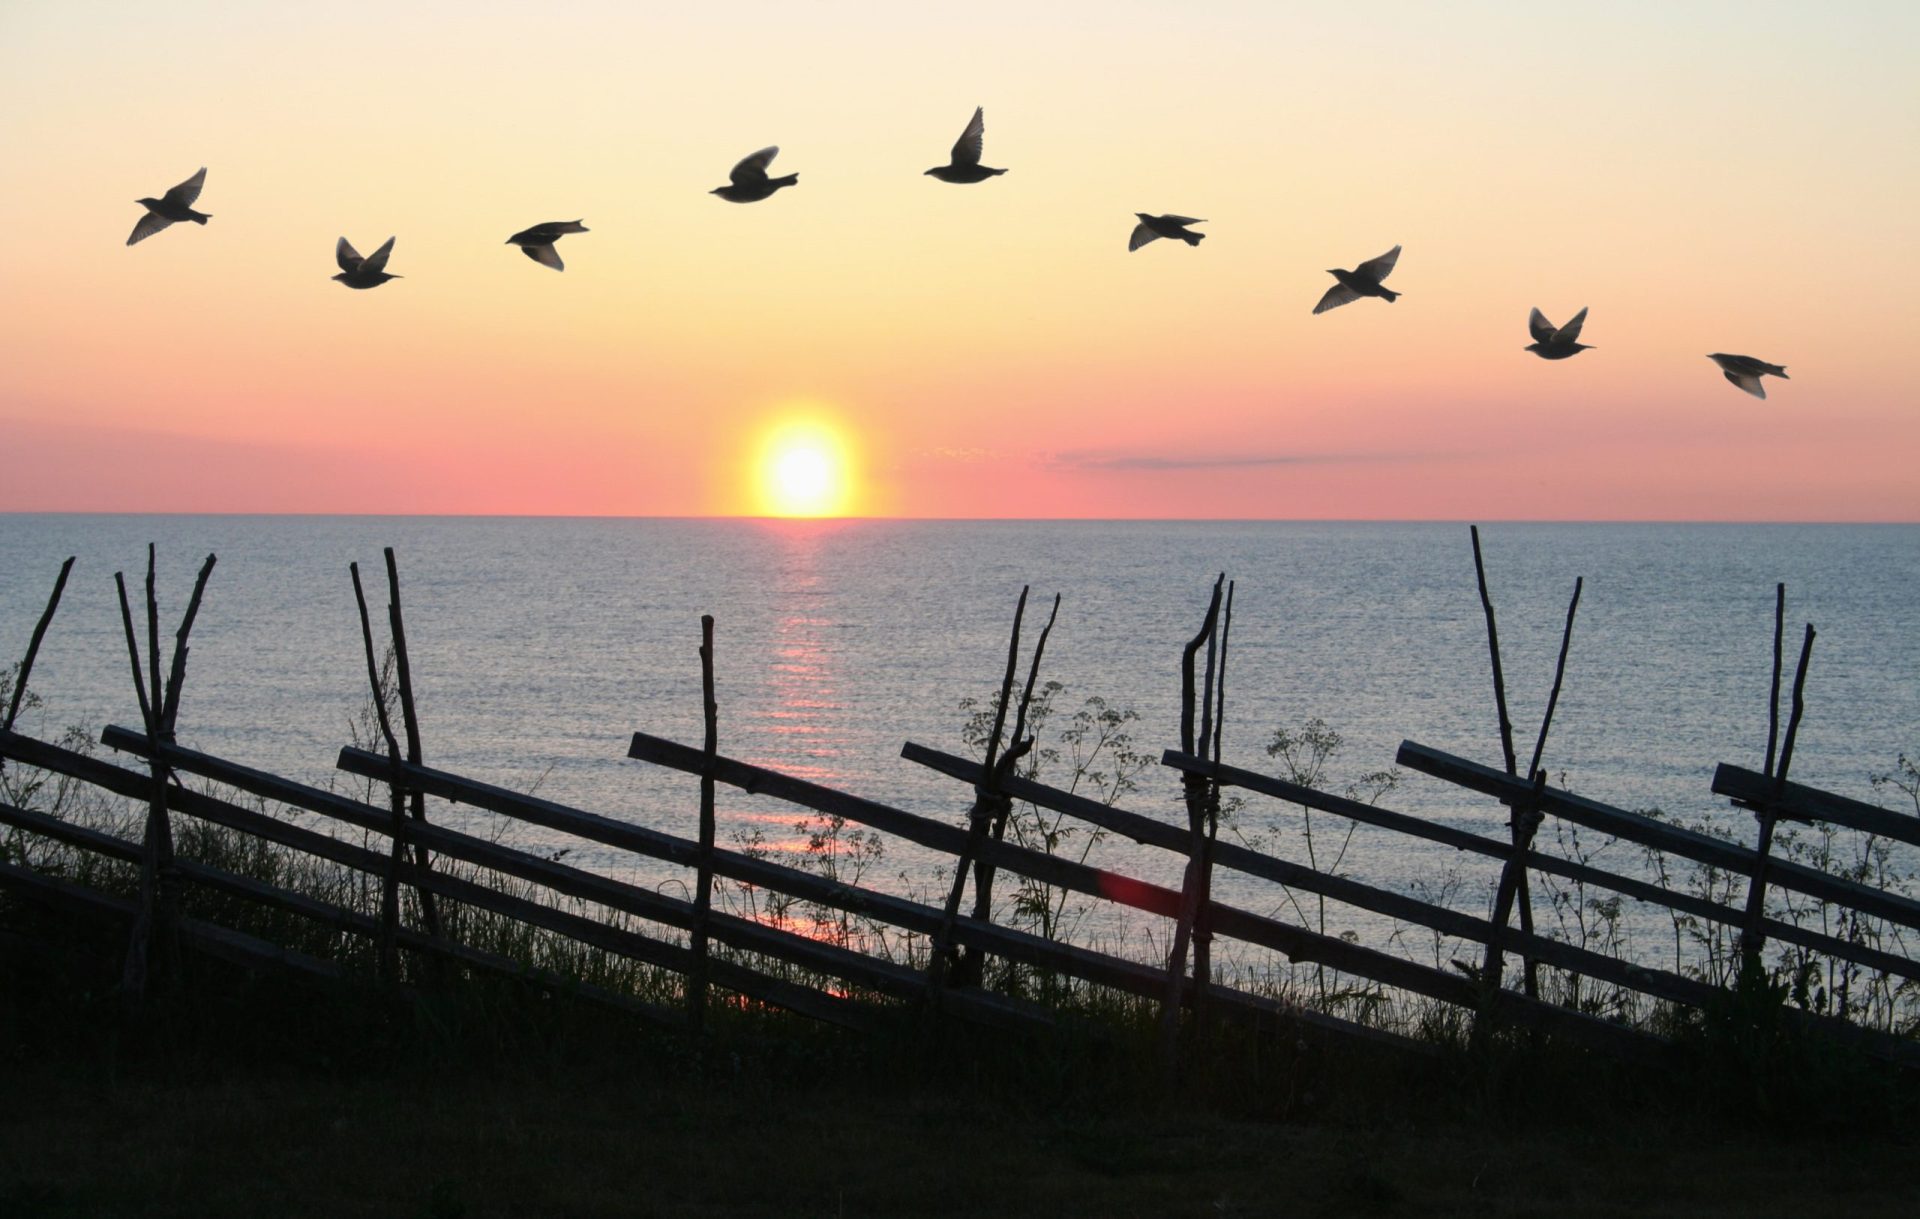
(154, 923)
(979, 817)
(1753, 935)
(1194, 788)
(703, 885)
(1525, 818)
(1216, 695)
(25, 670)
(973, 961)
(417, 799)
(396, 795)
(1525, 900)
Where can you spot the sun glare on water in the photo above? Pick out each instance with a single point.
(803, 471)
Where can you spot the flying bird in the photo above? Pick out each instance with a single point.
(1151, 228)
(750, 182)
(1551, 343)
(966, 165)
(170, 208)
(1745, 371)
(358, 272)
(537, 242)
(1363, 280)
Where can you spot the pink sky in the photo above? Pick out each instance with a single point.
(1720, 178)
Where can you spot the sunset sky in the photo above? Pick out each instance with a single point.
(1706, 177)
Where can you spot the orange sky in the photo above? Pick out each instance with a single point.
(1724, 177)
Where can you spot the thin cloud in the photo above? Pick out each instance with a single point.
(1080, 460)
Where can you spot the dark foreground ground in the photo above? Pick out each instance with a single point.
(515, 1146)
(241, 1096)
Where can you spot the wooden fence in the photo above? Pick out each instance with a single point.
(763, 963)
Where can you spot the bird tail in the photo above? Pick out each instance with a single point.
(1390, 294)
(1192, 238)
(789, 180)
(202, 217)
(1780, 371)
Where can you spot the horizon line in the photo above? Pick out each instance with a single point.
(1009, 520)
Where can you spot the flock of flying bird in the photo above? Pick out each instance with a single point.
(750, 183)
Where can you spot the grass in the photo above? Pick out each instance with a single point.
(235, 1094)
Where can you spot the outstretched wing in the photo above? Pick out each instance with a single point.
(1570, 333)
(184, 194)
(1748, 382)
(966, 150)
(150, 224)
(1141, 236)
(545, 255)
(377, 261)
(1377, 269)
(1336, 296)
(552, 230)
(1183, 219)
(1540, 328)
(752, 170)
(348, 257)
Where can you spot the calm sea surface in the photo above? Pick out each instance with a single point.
(539, 645)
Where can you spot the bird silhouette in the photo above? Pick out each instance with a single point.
(537, 242)
(1151, 228)
(750, 182)
(174, 206)
(1550, 343)
(358, 272)
(1745, 371)
(1363, 280)
(966, 165)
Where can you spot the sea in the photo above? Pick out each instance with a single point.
(539, 645)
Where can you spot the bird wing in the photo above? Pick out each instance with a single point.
(552, 230)
(966, 150)
(184, 194)
(1170, 219)
(1570, 333)
(1748, 382)
(1336, 296)
(545, 255)
(1141, 236)
(377, 261)
(1540, 328)
(348, 257)
(1377, 269)
(150, 224)
(752, 170)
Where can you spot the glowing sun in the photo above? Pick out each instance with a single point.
(804, 471)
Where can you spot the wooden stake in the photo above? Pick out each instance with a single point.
(980, 816)
(155, 923)
(703, 885)
(153, 638)
(1493, 649)
(973, 963)
(403, 669)
(1773, 696)
(1211, 730)
(33, 650)
(1529, 978)
(1194, 788)
(1753, 937)
(396, 798)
